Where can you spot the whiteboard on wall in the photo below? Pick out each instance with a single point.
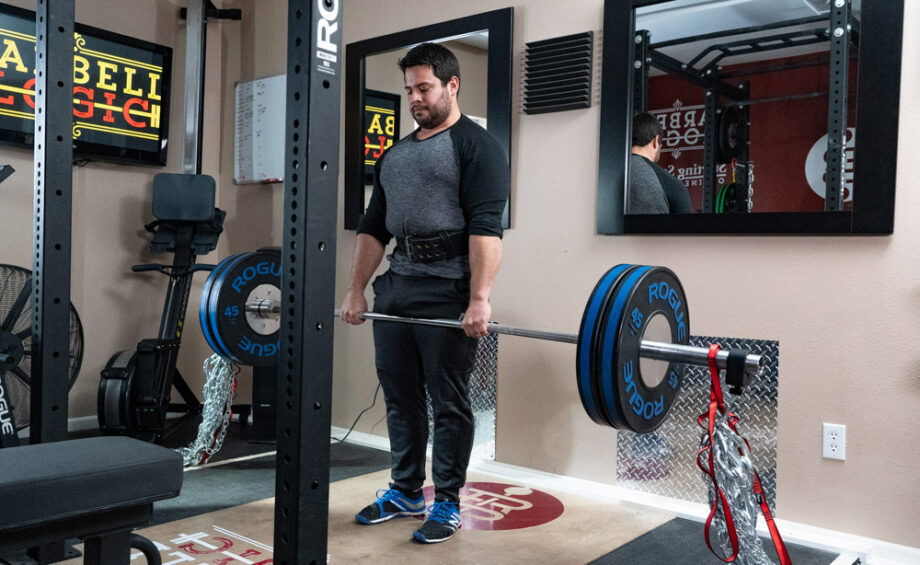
(259, 130)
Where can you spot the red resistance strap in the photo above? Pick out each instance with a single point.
(717, 404)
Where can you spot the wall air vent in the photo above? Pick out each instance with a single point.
(558, 73)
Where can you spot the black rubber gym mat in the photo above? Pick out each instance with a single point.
(236, 442)
(680, 542)
(208, 489)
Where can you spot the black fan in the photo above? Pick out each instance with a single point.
(16, 341)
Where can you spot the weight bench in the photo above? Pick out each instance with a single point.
(96, 489)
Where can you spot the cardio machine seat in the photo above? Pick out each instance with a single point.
(185, 200)
(75, 479)
(204, 234)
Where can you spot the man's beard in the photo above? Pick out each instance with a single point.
(436, 113)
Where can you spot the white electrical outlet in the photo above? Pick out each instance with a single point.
(835, 441)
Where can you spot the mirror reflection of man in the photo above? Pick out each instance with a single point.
(440, 192)
(652, 190)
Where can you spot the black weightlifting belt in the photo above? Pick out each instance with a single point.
(434, 247)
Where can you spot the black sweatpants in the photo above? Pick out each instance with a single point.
(411, 357)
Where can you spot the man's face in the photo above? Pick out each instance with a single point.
(430, 102)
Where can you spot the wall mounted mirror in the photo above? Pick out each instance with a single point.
(376, 110)
(767, 116)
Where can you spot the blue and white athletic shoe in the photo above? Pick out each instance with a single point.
(443, 521)
(391, 504)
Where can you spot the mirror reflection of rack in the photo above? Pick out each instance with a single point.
(778, 66)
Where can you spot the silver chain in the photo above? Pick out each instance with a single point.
(735, 475)
(215, 415)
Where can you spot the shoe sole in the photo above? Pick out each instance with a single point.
(422, 539)
(405, 514)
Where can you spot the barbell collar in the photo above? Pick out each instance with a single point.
(264, 308)
(753, 363)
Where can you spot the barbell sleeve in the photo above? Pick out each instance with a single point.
(670, 352)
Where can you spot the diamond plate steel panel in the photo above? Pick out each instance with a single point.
(664, 462)
(483, 398)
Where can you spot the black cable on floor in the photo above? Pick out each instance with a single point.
(359, 417)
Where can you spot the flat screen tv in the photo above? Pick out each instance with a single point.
(120, 91)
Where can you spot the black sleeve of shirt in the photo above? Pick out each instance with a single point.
(676, 193)
(373, 222)
(485, 178)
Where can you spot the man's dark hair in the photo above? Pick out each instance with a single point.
(644, 129)
(442, 61)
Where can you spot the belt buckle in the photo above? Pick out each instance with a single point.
(409, 248)
(429, 249)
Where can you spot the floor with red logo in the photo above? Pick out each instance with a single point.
(225, 516)
(502, 523)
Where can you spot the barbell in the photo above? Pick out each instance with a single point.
(240, 315)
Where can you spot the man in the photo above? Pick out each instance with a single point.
(441, 192)
(652, 190)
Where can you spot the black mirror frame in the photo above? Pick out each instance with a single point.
(499, 24)
(879, 91)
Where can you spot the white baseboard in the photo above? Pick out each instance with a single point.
(83, 423)
(73, 425)
(361, 438)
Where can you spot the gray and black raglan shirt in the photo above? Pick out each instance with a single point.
(454, 181)
(652, 190)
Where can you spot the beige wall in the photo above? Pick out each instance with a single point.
(844, 309)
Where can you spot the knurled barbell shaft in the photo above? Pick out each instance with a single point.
(670, 352)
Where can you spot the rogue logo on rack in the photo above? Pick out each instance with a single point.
(326, 27)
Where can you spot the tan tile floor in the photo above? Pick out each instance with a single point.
(586, 530)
